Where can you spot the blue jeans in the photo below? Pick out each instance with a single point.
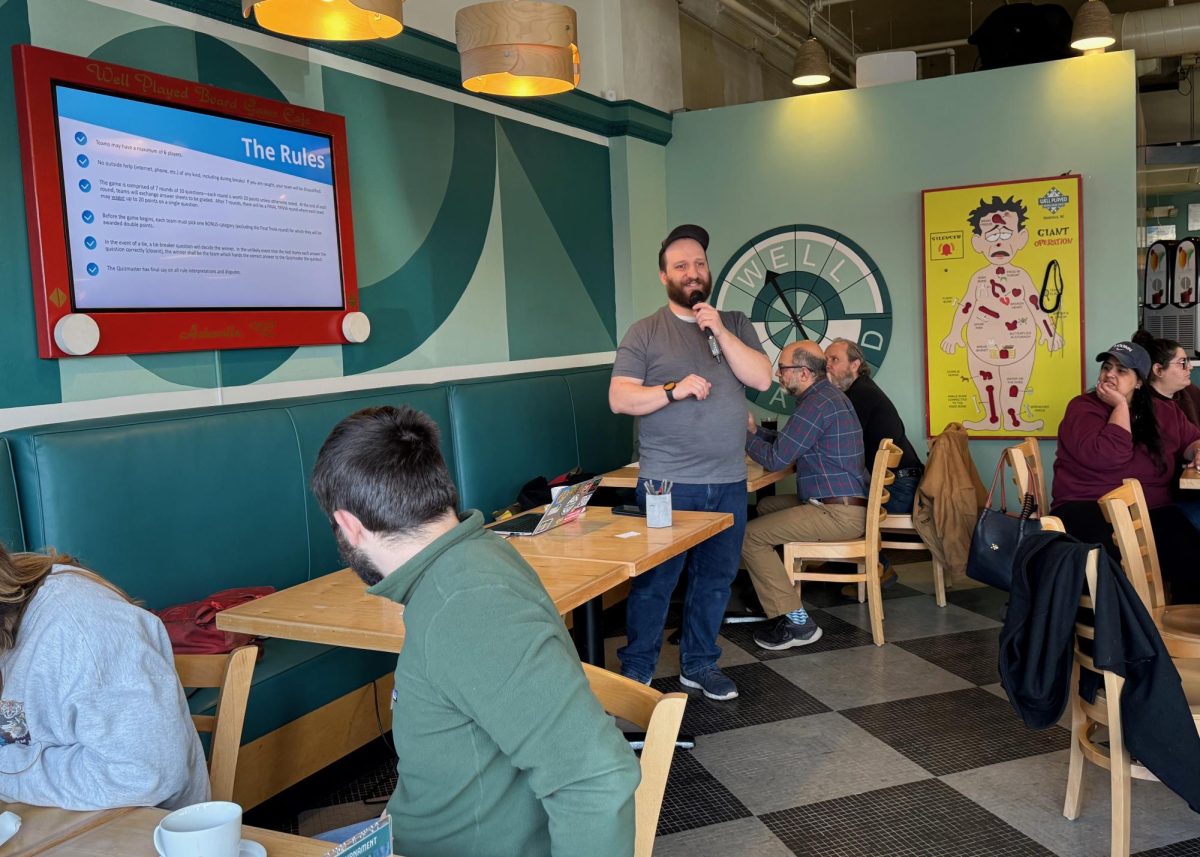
(713, 566)
(903, 492)
(1191, 508)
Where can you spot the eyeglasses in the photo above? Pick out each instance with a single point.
(789, 366)
(1182, 362)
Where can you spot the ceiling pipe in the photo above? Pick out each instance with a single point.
(932, 46)
(771, 30)
(950, 52)
(1170, 31)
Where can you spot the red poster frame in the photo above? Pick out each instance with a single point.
(1077, 179)
(150, 331)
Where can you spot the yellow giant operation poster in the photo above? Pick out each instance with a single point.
(1003, 305)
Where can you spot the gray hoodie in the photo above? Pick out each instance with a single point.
(91, 712)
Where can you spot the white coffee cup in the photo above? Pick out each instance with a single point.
(212, 829)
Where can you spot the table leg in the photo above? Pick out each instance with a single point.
(588, 631)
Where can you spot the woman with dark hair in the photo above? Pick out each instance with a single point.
(1121, 430)
(91, 712)
(1171, 374)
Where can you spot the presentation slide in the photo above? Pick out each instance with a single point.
(169, 208)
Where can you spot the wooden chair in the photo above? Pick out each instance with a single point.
(902, 525)
(864, 552)
(1029, 476)
(1087, 719)
(1126, 510)
(659, 714)
(230, 673)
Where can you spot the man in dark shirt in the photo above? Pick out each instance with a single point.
(850, 373)
(824, 440)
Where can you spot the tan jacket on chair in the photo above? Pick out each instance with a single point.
(948, 500)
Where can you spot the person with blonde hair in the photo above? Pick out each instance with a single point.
(91, 712)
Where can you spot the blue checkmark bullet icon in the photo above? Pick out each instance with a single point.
(83, 161)
(93, 269)
(80, 137)
(88, 217)
(89, 243)
(85, 185)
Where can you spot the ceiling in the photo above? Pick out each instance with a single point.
(882, 25)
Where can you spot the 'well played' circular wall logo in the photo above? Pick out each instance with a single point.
(806, 282)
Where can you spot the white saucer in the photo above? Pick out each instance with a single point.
(246, 848)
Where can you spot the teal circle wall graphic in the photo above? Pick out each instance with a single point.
(806, 282)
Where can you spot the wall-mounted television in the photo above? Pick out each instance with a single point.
(166, 215)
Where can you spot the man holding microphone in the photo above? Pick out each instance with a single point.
(682, 371)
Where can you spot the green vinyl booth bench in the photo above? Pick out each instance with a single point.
(173, 506)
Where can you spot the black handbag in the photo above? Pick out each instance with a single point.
(997, 534)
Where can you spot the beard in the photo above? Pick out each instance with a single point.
(843, 382)
(682, 291)
(357, 559)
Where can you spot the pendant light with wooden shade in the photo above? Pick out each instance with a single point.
(329, 20)
(518, 47)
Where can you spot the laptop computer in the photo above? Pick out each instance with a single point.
(563, 509)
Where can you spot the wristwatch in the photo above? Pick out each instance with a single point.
(669, 389)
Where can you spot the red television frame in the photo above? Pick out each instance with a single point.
(160, 330)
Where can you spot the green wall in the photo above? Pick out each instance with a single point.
(484, 235)
(856, 162)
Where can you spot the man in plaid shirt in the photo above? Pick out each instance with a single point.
(824, 439)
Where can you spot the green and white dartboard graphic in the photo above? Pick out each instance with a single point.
(807, 282)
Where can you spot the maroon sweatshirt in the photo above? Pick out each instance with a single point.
(1094, 456)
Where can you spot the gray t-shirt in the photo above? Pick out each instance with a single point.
(688, 441)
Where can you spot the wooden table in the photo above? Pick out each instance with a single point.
(335, 609)
(1190, 479)
(1179, 625)
(756, 477)
(596, 536)
(127, 832)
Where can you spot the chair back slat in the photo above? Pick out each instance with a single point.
(1126, 510)
(887, 459)
(1025, 459)
(232, 674)
(660, 714)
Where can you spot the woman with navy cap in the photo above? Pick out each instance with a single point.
(1121, 430)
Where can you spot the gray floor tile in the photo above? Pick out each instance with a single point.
(909, 618)
(746, 836)
(1028, 794)
(866, 675)
(792, 762)
(1188, 848)
(921, 819)
(668, 658)
(980, 599)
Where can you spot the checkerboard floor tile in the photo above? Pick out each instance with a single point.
(922, 819)
(695, 798)
(1190, 848)
(956, 731)
(972, 655)
(763, 697)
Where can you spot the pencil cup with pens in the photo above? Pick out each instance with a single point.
(658, 503)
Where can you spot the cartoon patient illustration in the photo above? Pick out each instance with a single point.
(1003, 321)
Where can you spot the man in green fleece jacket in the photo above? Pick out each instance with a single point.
(503, 749)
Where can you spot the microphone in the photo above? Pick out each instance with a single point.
(713, 346)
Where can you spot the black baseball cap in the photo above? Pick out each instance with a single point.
(1130, 355)
(686, 230)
